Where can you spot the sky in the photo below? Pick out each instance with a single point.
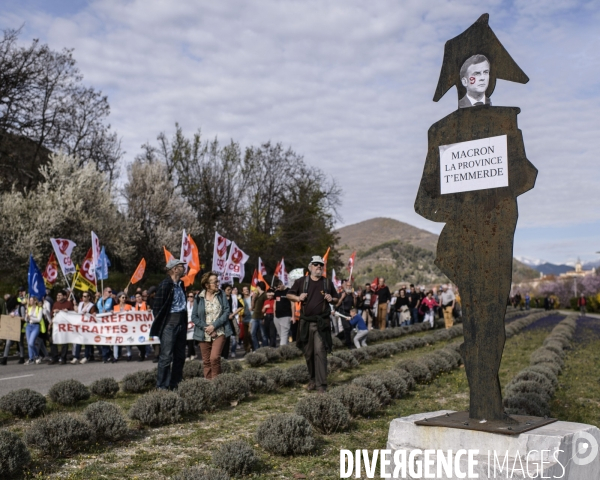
(348, 84)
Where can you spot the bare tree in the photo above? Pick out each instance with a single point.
(44, 107)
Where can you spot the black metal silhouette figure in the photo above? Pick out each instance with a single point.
(475, 248)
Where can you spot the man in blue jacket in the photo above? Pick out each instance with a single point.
(170, 326)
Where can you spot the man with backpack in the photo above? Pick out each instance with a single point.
(315, 293)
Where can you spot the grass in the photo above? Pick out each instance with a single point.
(163, 452)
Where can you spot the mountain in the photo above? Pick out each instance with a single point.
(552, 269)
(399, 252)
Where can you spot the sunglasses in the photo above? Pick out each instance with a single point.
(317, 265)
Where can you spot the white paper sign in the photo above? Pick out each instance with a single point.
(474, 165)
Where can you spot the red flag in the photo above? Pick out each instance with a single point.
(325, 260)
(351, 262)
(51, 272)
(87, 268)
(254, 280)
(139, 272)
(168, 255)
(375, 284)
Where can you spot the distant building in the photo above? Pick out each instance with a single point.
(578, 272)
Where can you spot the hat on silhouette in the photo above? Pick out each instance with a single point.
(477, 39)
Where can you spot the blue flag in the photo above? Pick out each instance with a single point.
(37, 287)
(103, 264)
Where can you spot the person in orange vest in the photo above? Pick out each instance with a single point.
(140, 306)
(122, 306)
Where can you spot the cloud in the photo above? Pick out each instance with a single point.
(348, 84)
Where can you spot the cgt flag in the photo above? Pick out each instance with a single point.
(235, 263)
(80, 282)
(220, 253)
(254, 280)
(280, 272)
(50, 274)
(261, 267)
(63, 249)
(96, 250)
(35, 280)
(334, 280)
(351, 261)
(87, 270)
(190, 255)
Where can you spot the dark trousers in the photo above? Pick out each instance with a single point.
(316, 357)
(247, 337)
(172, 353)
(293, 330)
(63, 352)
(270, 329)
(191, 350)
(347, 332)
(226, 348)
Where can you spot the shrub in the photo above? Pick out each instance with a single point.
(14, 456)
(159, 407)
(336, 364)
(408, 378)
(258, 381)
(553, 367)
(139, 382)
(546, 356)
(271, 353)
(193, 369)
(286, 434)
(105, 387)
(347, 357)
(372, 382)
(394, 383)
(255, 359)
(528, 386)
(290, 351)
(417, 370)
(23, 403)
(545, 371)
(527, 404)
(198, 395)
(358, 400)
(281, 377)
(236, 458)
(202, 473)
(432, 364)
(60, 435)
(231, 388)
(451, 356)
(299, 373)
(324, 412)
(230, 366)
(528, 375)
(361, 355)
(107, 420)
(337, 343)
(68, 392)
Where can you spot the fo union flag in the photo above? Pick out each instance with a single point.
(235, 263)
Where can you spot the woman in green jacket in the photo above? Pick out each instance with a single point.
(211, 317)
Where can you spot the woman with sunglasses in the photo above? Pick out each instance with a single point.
(85, 306)
(211, 317)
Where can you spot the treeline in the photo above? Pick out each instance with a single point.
(60, 164)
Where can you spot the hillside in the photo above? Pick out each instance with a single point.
(399, 252)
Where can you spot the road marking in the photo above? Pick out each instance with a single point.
(12, 378)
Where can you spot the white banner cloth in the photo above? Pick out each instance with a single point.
(122, 328)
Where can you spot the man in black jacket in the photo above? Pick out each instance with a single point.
(170, 325)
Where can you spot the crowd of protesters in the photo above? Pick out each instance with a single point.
(260, 317)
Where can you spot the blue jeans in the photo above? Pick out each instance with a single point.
(88, 351)
(255, 324)
(414, 316)
(32, 331)
(172, 350)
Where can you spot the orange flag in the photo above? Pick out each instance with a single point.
(262, 279)
(139, 272)
(254, 280)
(325, 260)
(193, 264)
(168, 255)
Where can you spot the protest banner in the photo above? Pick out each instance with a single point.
(10, 328)
(113, 328)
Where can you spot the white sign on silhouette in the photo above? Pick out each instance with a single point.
(474, 165)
